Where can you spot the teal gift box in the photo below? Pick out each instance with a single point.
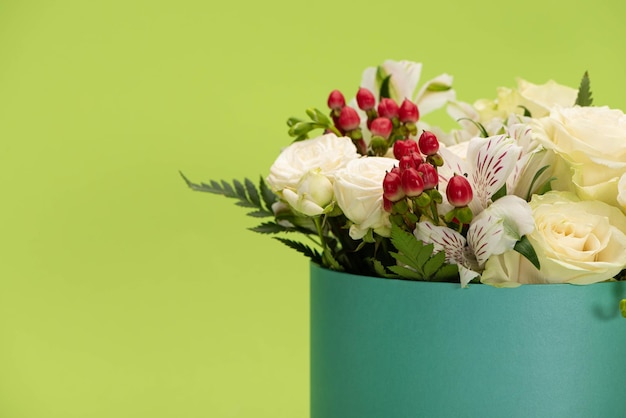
(393, 348)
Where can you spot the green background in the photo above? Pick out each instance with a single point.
(124, 294)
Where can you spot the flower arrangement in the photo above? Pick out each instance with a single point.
(529, 188)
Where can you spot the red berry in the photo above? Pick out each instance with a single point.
(429, 175)
(412, 182)
(336, 100)
(348, 119)
(396, 170)
(392, 187)
(404, 147)
(365, 99)
(381, 127)
(428, 143)
(408, 112)
(459, 191)
(388, 108)
(387, 204)
(411, 160)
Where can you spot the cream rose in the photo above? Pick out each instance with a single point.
(539, 99)
(312, 195)
(359, 194)
(591, 141)
(325, 154)
(576, 241)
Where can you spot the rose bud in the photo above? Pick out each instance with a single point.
(408, 112)
(381, 127)
(365, 99)
(459, 191)
(412, 182)
(428, 143)
(392, 187)
(388, 108)
(404, 147)
(348, 119)
(336, 100)
(429, 175)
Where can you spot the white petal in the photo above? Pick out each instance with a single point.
(493, 159)
(404, 78)
(466, 275)
(435, 94)
(443, 239)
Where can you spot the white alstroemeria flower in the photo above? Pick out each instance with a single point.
(497, 229)
(453, 244)
(405, 76)
(493, 232)
(488, 164)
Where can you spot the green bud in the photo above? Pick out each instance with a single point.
(435, 196)
(355, 135)
(422, 200)
(464, 214)
(379, 145)
(400, 207)
(411, 128)
(435, 160)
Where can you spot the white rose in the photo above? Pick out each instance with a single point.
(591, 140)
(539, 99)
(359, 194)
(576, 241)
(326, 153)
(312, 194)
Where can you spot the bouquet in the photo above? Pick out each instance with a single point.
(530, 187)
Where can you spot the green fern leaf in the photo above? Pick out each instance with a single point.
(584, 92)
(314, 255)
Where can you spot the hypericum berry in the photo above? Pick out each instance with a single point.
(381, 127)
(429, 175)
(348, 119)
(388, 108)
(392, 187)
(336, 100)
(459, 191)
(365, 99)
(428, 143)
(408, 112)
(404, 147)
(387, 205)
(411, 160)
(412, 182)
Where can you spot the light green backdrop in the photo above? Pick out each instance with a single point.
(124, 294)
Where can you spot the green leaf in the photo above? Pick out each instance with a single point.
(314, 255)
(253, 194)
(546, 187)
(269, 197)
(292, 121)
(406, 273)
(481, 128)
(434, 263)
(584, 92)
(385, 93)
(526, 111)
(237, 190)
(446, 273)
(535, 178)
(270, 228)
(525, 248)
(435, 87)
(622, 307)
(380, 270)
(500, 193)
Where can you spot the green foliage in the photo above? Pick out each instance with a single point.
(246, 194)
(417, 261)
(584, 92)
(481, 128)
(300, 128)
(525, 248)
(314, 255)
(385, 92)
(438, 87)
(526, 111)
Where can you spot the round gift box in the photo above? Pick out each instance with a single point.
(394, 348)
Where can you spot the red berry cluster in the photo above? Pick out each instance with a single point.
(386, 121)
(410, 188)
